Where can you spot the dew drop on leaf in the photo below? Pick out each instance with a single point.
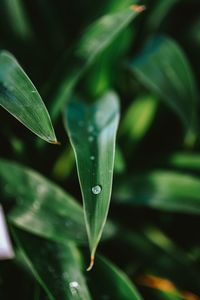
(96, 189)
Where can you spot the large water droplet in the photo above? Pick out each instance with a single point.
(74, 287)
(92, 157)
(96, 189)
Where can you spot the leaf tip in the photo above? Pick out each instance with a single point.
(91, 263)
(137, 8)
(55, 143)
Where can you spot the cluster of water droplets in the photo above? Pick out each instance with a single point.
(74, 286)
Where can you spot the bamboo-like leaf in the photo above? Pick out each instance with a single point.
(42, 207)
(20, 98)
(57, 267)
(189, 161)
(97, 37)
(163, 68)
(165, 190)
(114, 283)
(92, 130)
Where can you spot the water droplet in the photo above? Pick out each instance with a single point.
(90, 138)
(92, 157)
(74, 287)
(33, 91)
(96, 189)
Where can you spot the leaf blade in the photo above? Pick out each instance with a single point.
(20, 98)
(93, 141)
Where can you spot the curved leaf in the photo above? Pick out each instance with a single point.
(93, 42)
(19, 97)
(42, 207)
(114, 283)
(92, 131)
(57, 267)
(160, 189)
(163, 68)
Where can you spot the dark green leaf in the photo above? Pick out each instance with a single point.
(165, 190)
(108, 282)
(19, 97)
(42, 207)
(163, 68)
(93, 42)
(92, 130)
(57, 267)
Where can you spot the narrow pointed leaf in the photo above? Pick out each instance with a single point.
(20, 98)
(114, 283)
(97, 37)
(57, 267)
(92, 130)
(163, 68)
(165, 190)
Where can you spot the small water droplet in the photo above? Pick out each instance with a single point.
(74, 287)
(90, 138)
(33, 91)
(92, 157)
(96, 189)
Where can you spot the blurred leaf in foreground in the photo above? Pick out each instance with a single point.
(20, 98)
(92, 131)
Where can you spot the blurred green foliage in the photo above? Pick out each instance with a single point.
(150, 247)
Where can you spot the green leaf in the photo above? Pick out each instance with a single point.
(97, 37)
(92, 131)
(114, 283)
(57, 267)
(163, 68)
(165, 190)
(138, 118)
(42, 207)
(20, 98)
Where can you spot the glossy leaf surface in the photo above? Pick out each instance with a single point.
(20, 98)
(92, 131)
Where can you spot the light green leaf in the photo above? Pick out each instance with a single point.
(19, 97)
(189, 161)
(138, 118)
(114, 283)
(57, 267)
(163, 68)
(93, 42)
(165, 190)
(92, 131)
